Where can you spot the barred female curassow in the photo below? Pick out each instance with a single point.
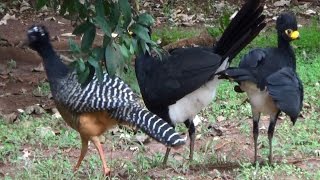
(180, 85)
(269, 78)
(98, 106)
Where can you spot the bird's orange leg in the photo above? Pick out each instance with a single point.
(84, 150)
(97, 143)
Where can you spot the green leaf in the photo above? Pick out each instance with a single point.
(74, 46)
(126, 11)
(114, 15)
(99, 7)
(104, 25)
(81, 65)
(134, 46)
(159, 52)
(143, 46)
(145, 19)
(111, 59)
(106, 41)
(98, 69)
(131, 49)
(88, 37)
(95, 61)
(40, 4)
(64, 7)
(141, 32)
(124, 51)
(83, 11)
(82, 28)
(98, 53)
(82, 76)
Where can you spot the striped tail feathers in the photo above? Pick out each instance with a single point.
(151, 124)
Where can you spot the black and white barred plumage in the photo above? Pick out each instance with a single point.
(111, 94)
(116, 97)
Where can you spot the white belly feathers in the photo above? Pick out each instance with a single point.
(190, 105)
(260, 100)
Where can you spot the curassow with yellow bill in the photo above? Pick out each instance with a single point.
(183, 82)
(269, 78)
(93, 109)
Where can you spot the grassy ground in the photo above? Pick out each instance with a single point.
(45, 148)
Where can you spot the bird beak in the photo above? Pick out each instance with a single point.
(294, 35)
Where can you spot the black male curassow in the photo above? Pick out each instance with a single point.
(93, 109)
(183, 82)
(269, 78)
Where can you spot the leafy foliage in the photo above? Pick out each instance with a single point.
(125, 34)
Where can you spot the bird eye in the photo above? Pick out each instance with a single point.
(288, 31)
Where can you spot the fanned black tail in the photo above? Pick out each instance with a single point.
(151, 124)
(243, 28)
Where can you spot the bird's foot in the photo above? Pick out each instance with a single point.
(106, 171)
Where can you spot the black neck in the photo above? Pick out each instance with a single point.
(286, 47)
(283, 43)
(55, 69)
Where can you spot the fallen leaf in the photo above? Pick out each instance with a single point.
(10, 118)
(50, 19)
(24, 6)
(7, 17)
(142, 138)
(20, 110)
(45, 132)
(57, 115)
(67, 35)
(36, 109)
(125, 136)
(217, 130)
(282, 3)
(23, 90)
(310, 12)
(134, 148)
(196, 120)
(67, 150)
(29, 110)
(26, 153)
(39, 68)
(221, 118)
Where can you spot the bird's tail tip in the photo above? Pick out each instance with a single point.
(154, 126)
(179, 143)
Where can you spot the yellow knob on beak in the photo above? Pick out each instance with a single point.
(294, 35)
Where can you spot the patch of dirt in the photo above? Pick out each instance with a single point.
(18, 85)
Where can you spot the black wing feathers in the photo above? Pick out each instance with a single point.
(286, 89)
(168, 80)
(252, 59)
(238, 75)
